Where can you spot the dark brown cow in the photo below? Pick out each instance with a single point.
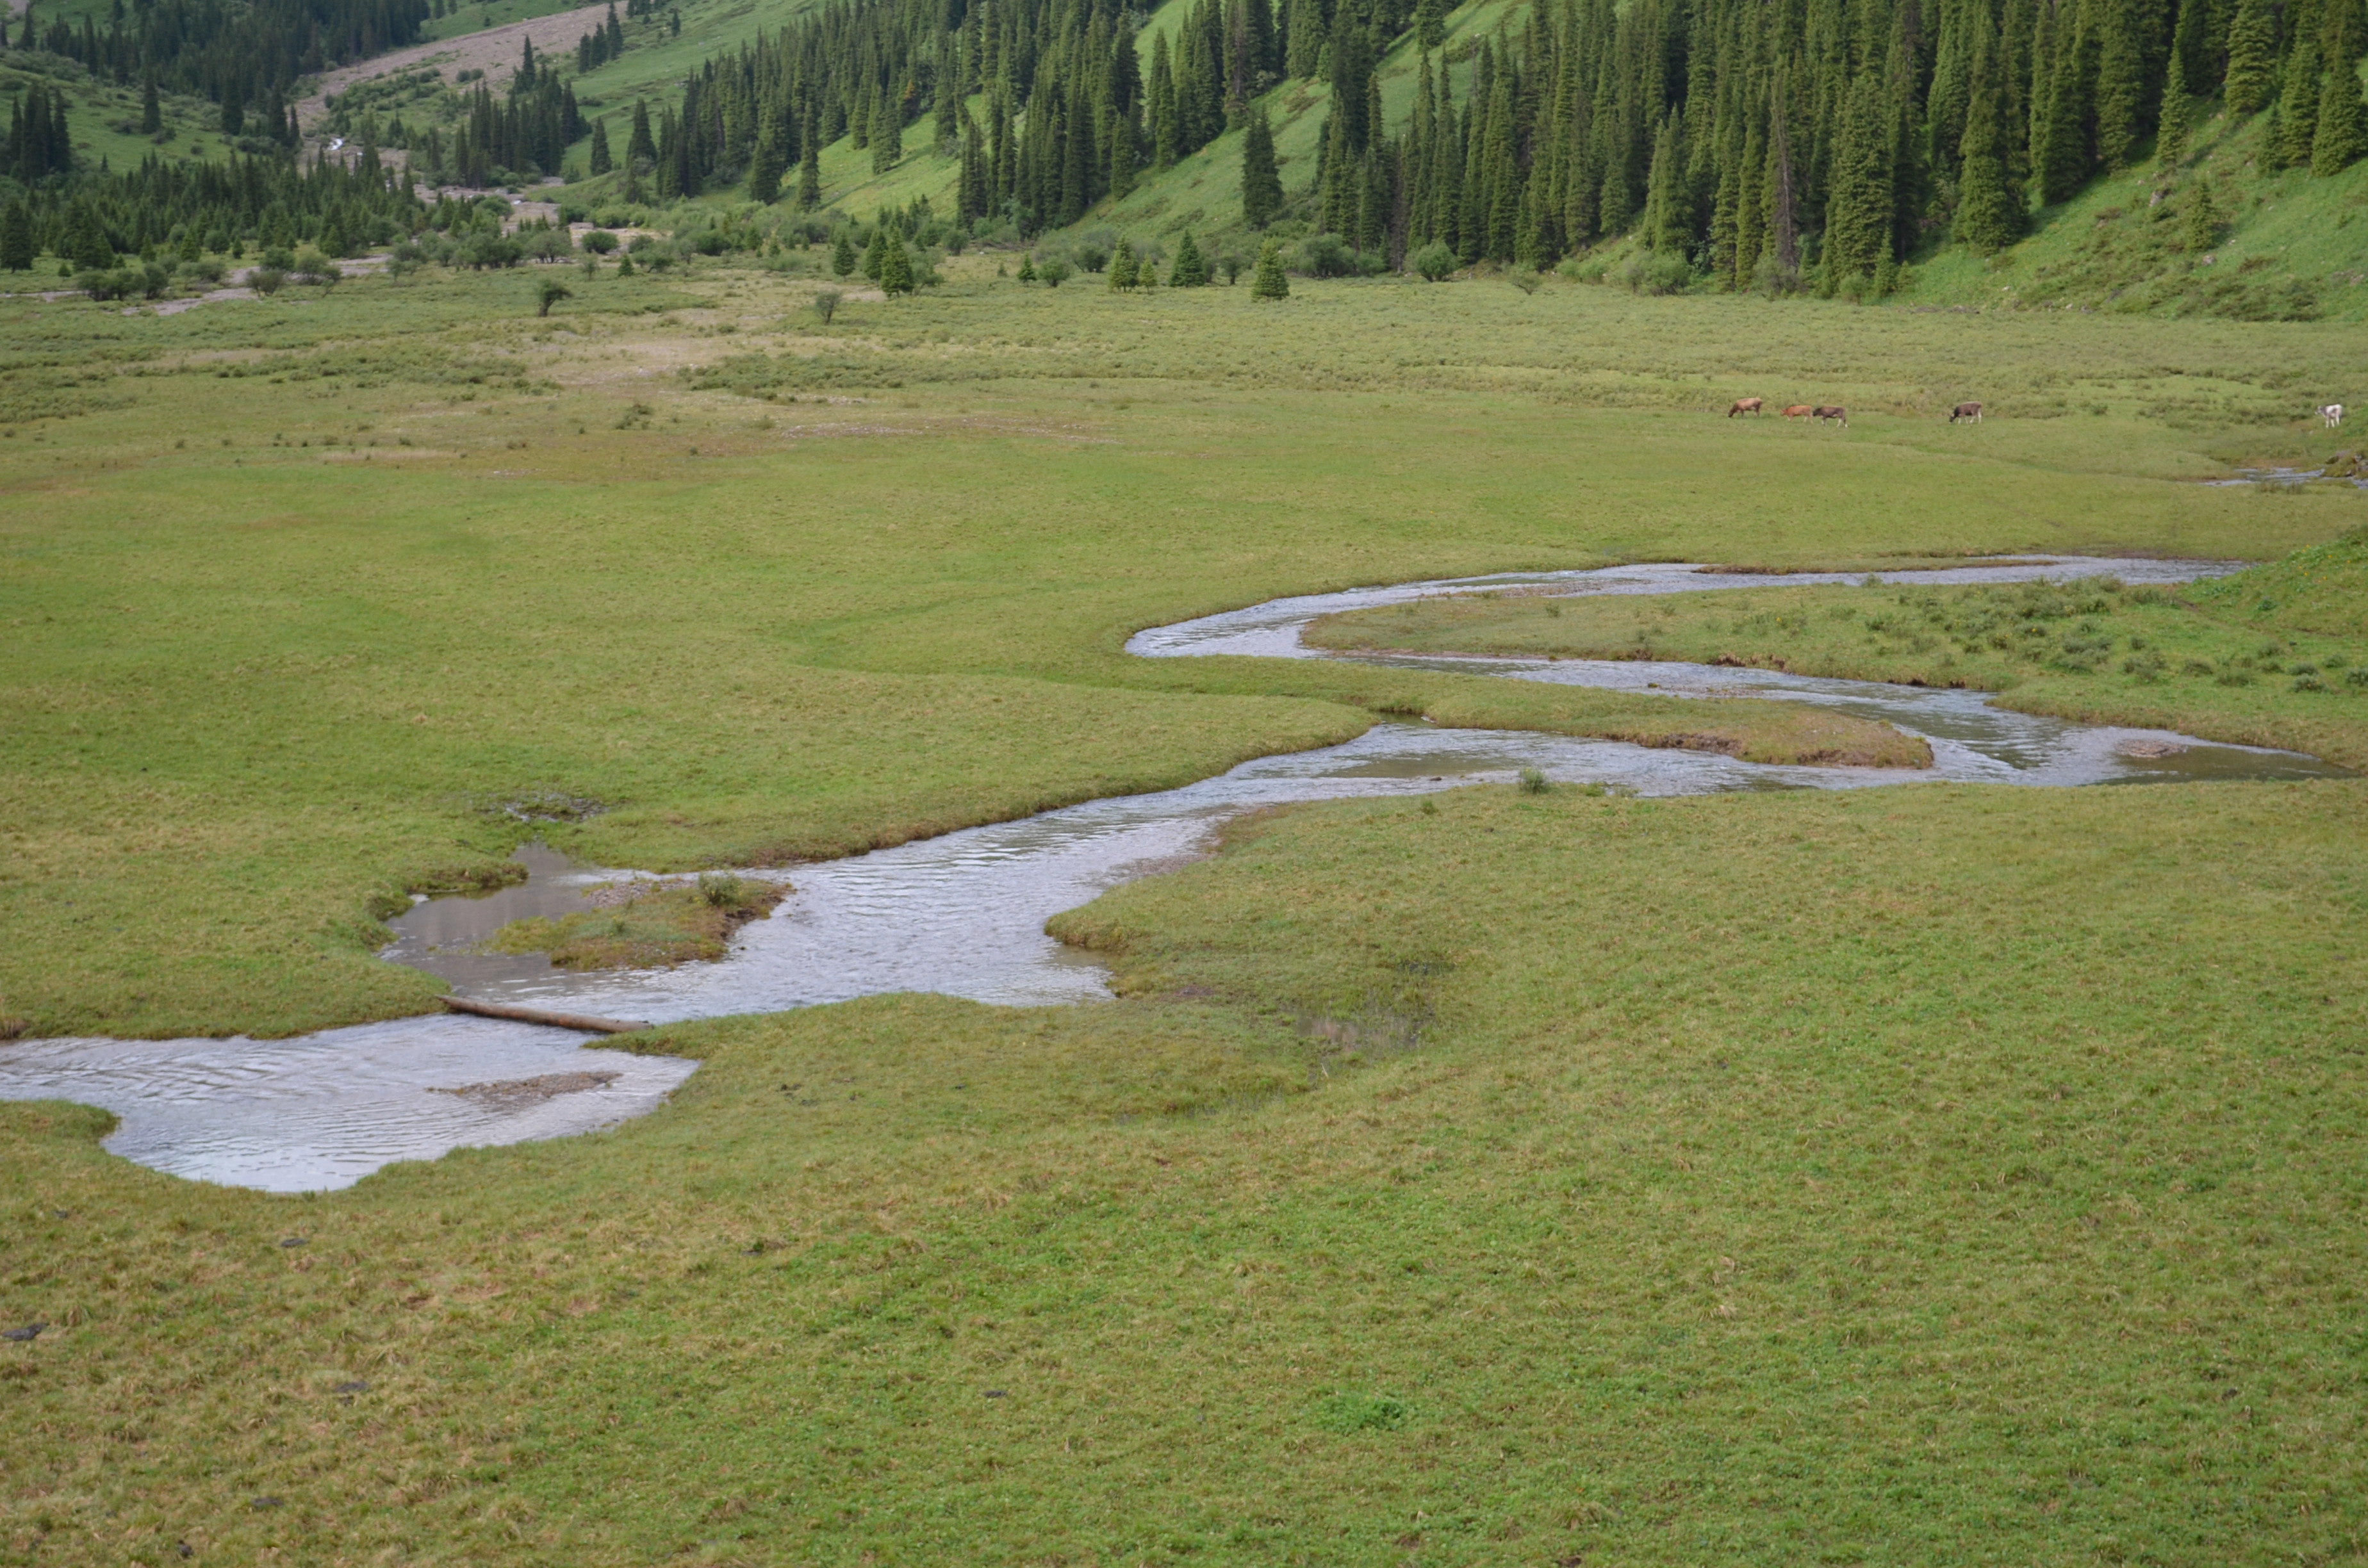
(1798, 411)
(1743, 405)
(1971, 411)
(1828, 413)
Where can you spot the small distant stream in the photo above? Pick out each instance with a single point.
(963, 914)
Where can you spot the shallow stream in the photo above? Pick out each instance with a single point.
(964, 914)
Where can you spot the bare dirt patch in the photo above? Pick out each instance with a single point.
(495, 52)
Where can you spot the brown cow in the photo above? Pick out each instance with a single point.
(1825, 411)
(1743, 405)
(1971, 411)
(1798, 411)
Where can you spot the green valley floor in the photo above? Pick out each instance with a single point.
(1935, 1173)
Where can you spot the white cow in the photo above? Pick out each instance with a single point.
(2333, 414)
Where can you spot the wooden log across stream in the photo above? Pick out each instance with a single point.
(583, 1022)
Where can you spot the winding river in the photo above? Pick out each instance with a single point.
(964, 914)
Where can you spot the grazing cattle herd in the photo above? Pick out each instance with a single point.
(1826, 413)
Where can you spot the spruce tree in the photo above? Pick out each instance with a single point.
(1989, 210)
(602, 159)
(1336, 208)
(2065, 163)
(2193, 62)
(1191, 269)
(1122, 268)
(2202, 224)
(2121, 85)
(1665, 226)
(1303, 50)
(876, 254)
(842, 255)
(765, 173)
(1750, 207)
(895, 267)
(1782, 203)
(1429, 23)
(2252, 57)
(810, 167)
(1027, 273)
(17, 238)
(152, 108)
(1120, 161)
(2171, 125)
(1262, 183)
(1857, 206)
(887, 135)
(1269, 281)
(640, 145)
(2298, 105)
(2342, 131)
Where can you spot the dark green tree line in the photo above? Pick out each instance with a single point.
(243, 54)
(1760, 139)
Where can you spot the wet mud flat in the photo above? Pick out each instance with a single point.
(964, 914)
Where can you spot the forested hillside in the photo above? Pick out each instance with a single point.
(1859, 147)
(247, 56)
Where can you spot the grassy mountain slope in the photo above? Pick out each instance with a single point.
(2293, 245)
(105, 119)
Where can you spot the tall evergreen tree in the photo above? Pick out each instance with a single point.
(2170, 124)
(15, 238)
(2252, 57)
(152, 108)
(2298, 104)
(1783, 186)
(2065, 160)
(603, 160)
(639, 146)
(2195, 59)
(1429, 23)
(765, 173)
(2341, 135)
(1989, 208)
(1303, 53)
(1261, 181)
(1858, 208)
(810, 167)
(1665, 226)
(895, 265)
(2121, 95)
(887, 135)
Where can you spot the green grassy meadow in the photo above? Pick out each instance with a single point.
(1929, 1174)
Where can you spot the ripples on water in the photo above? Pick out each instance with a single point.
(964, 914)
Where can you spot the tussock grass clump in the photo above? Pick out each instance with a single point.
(677, 922)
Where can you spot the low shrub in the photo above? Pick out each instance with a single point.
(1654, 273)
